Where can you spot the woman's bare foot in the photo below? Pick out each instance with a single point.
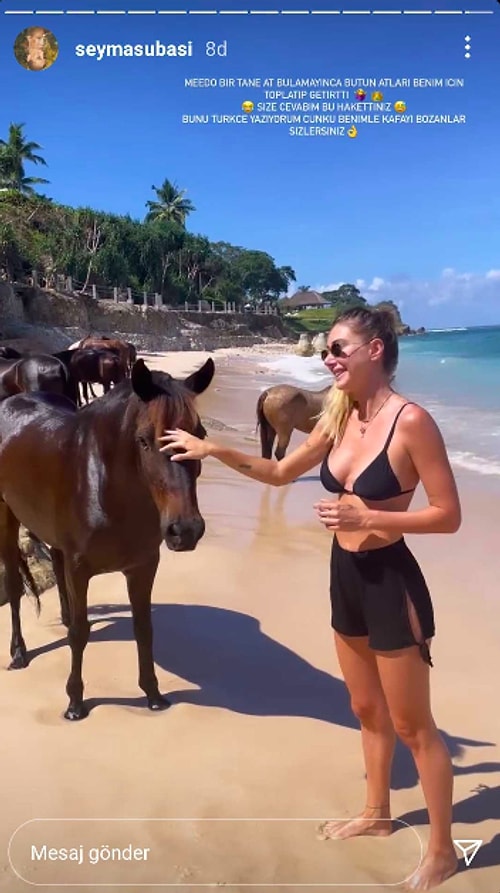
(373, 822)
(434, 870)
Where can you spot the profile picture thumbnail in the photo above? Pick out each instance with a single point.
(36, 48)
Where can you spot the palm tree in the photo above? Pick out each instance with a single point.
(14, 152)
(171, 206)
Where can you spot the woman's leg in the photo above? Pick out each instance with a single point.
(405, 681)
(359, 668)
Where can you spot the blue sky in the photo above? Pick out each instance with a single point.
(408, 212)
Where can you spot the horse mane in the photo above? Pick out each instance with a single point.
(171, 404)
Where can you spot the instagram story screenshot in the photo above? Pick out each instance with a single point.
(249, 445)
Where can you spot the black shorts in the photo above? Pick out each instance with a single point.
(368, 596)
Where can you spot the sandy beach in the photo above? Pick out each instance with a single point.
(228, 786)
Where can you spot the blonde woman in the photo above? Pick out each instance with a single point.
(375, 447)
(35, 48)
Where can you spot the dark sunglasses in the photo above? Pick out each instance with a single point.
(336, 350)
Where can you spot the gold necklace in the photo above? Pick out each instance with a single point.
(364, 425)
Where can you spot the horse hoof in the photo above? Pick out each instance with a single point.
(19, 661)
(76, 712)
(158, 703)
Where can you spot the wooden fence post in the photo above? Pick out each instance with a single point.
(186, 307)
(69, 284)
(94, 291)
(130, 299)
(199, 306)
(144, 299)
(115, 293)
(158, 302)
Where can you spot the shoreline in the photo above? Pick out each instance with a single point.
(247, 363)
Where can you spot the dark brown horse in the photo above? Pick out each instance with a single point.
(37, 372)
(103, 342)
(283, 408)
(95, 487)
(87, 365)
(132, 350)
(132, 353)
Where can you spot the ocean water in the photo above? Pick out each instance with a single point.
(453, 373)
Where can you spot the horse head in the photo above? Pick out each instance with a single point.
(166, 403)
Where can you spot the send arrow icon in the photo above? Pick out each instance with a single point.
(469, 849)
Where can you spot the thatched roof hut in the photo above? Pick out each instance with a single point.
(304, 300)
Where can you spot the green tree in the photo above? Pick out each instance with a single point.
(260, 278)
(347, 295)
(171, 206)
(159, 250)
(14, 152)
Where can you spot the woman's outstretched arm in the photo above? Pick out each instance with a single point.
(267, 471)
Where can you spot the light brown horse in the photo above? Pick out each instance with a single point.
(283, 408)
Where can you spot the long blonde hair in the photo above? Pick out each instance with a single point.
(371, 323)
(337, 408)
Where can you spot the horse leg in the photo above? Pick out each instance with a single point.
(267, 431)
(139, 584)
(85, 391)
(9, 556)
(58, 564)
(77, 581)
(282, 445)
(92, 392)
(267, 437)
(79, 389)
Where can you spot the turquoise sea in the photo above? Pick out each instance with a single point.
(454, 373)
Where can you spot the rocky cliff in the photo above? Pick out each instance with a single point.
(51, 321)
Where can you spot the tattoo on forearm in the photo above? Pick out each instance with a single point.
(246, 467)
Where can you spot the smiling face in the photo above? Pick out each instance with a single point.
(35, 48)
(354, 366)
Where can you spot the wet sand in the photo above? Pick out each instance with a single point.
(228, 785)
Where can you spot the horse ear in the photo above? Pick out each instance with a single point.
(142, 381)
(199, 381)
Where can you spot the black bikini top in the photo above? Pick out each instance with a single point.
(377, 481)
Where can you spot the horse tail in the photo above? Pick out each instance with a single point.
(28, 580)
(267, 432)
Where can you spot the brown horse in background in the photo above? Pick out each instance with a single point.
(102, 342)
(95, 487)
(283, 408)
(89, 365)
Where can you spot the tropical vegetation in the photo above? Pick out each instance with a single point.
(157, 254)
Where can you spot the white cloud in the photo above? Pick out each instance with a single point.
(454, 295)
(376, 284)
(332, 286)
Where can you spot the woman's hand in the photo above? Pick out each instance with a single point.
(192, 447)
(342, 516)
